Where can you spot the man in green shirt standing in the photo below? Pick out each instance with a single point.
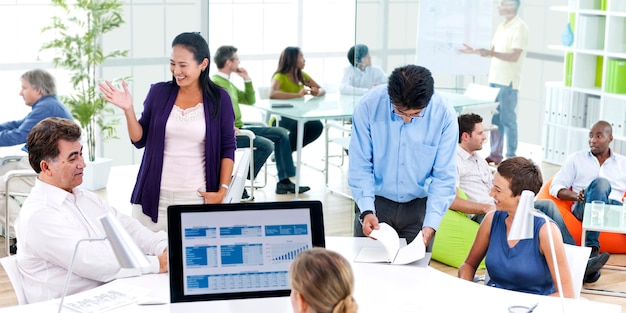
(267, 139)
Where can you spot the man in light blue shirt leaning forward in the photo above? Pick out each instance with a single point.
(402, 156)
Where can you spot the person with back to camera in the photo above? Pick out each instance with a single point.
(187, 131)
(39, 93)
(321, 281)
(267, 139)
(507, 53)
(520, 265)
(289, 82)
(361, 75)
(57, 214)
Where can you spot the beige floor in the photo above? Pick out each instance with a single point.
(338, 216)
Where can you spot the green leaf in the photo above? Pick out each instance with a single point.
(78, 29)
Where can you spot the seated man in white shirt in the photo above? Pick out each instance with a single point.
(57, 214)
(594, 174)
(361, 75)
(475, 179)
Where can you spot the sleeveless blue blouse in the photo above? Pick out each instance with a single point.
(520, 268)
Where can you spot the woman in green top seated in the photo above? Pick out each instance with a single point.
(288, 82)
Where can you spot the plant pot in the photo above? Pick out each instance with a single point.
(96, 174)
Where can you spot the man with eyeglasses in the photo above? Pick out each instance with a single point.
(402, 156)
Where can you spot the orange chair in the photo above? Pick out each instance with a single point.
(609, 242)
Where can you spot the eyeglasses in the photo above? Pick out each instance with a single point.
(402, 114)
(234, 59)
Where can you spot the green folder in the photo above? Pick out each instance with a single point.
(599, 63)
(616, 76)
(569, 61)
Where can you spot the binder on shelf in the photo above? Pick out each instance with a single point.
(616, 76)
(591, 30)
(615, 114)
(575, 110)
(565, 107)
(561, 142)
(569, 61)
(599, 64)
(593, 110)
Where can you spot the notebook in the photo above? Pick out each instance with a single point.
(238, 250)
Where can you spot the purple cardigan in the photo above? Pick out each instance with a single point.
(220, 143)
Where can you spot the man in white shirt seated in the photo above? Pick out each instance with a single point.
(57, 214)
(594, 174)
(361, 75)
(475, 180)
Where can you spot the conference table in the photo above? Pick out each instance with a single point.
(379, 287)
(334, 106)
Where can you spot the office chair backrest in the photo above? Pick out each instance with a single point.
(577, 258)
(238, 180)
(10, 267)
(264, 93)
(482, 92)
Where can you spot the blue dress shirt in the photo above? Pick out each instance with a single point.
(15, 132)
(403, 161)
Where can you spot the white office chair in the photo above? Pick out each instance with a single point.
(487, 110)
(343, 141)
(9, 263)
(577, 258)
(251, 136)
(7, 178)
(238, 179)
(263, 92)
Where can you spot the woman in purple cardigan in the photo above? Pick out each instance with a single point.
(187, 131)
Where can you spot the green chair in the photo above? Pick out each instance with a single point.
(455, 237)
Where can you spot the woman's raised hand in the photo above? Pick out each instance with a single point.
(121, 99)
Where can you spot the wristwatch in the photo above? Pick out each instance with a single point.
(362, 216)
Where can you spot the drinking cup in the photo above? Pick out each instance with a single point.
(597, 212)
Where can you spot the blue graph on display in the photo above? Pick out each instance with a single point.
(287, 251)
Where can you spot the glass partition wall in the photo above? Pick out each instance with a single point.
(324, 30)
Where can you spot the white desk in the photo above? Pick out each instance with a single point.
(335, 106)
(379, 288)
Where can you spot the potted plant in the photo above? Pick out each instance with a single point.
(78, 29)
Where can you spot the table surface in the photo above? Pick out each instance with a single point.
(613, 221)
(336, 106)
(378, 288)
(333, 106)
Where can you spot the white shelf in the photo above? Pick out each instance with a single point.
(599, 39)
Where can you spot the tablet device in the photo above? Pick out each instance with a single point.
(282, 105)
(238, 250)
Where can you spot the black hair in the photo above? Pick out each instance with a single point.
(196, 44)
(411, 87)
(467, 123)
(356, 53)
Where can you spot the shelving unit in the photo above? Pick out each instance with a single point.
(594, 79)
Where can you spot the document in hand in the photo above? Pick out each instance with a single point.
(390, 251)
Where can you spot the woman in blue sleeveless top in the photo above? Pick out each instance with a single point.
(519, 265)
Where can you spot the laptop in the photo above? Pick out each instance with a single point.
(238, 250)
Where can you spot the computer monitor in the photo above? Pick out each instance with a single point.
(242, 250)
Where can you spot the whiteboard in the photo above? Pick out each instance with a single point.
(444, 26)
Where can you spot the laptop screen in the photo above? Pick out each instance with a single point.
(239, 250)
